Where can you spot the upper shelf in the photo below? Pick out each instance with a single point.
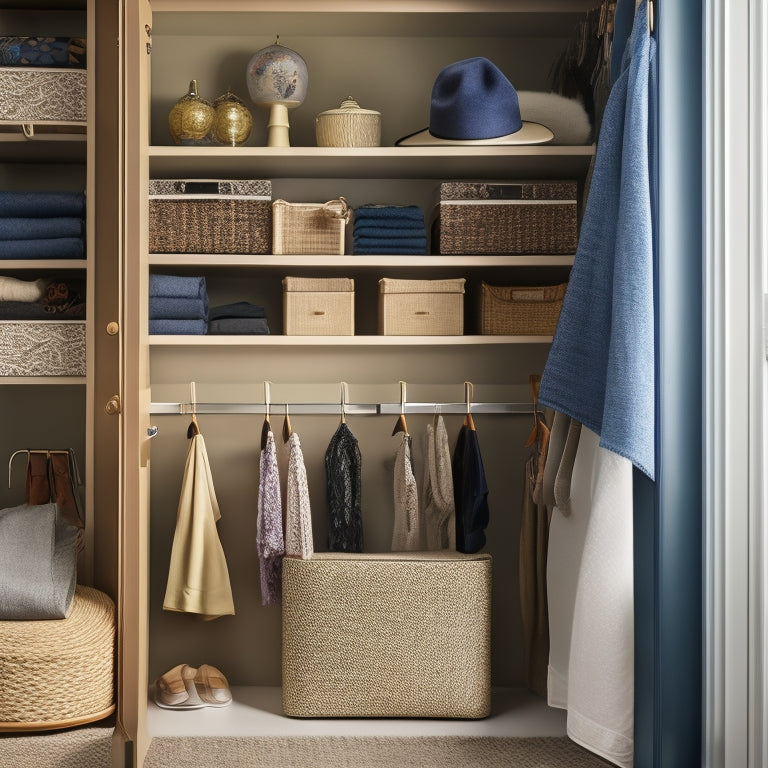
(537, 162)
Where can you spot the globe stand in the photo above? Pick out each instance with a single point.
(278, 126)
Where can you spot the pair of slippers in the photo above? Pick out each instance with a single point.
(185, 687)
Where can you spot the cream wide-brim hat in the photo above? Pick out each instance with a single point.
(530, 133)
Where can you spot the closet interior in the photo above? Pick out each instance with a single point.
(386, 56)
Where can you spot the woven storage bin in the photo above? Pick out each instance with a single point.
(309, 228)
(42, 348)
(39, 95)
(314, 306)
(520, 311)
(421, 307)
(387, 635)
(59, 673)
(513, 218)
(209, 216)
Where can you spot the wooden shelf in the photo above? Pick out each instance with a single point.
(271, 340)
(43, 264)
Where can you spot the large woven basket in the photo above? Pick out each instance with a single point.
(520, 310)
(59, 673)
(309, 228)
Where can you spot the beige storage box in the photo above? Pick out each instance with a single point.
(315, 306)
(421, 307)
(404, 634)
(507, 218)
(348, 126)
(42, 348)
(530, 310)
(309, 229)
(36, 95)
(210, 216)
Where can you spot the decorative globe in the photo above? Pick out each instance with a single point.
(232, 122)
(190, 118)
(277, 79)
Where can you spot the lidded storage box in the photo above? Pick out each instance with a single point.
(421, 307)
(39, 95)
(310, 228)
(42, 348)
(348, 126)
(210, 216)
(318, 306)
(508, 218)
(520, 310)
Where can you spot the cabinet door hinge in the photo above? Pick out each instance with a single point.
(148, 30)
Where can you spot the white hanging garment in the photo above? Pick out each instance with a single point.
(270, 542)
(591, 608)
(298, 513)
(407, 531)
(438, 503)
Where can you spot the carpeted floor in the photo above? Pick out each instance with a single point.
(368, 752)
(84, 747)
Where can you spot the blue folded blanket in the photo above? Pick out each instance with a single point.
(173, 286)
(239, 326)
(170, 308)
(44, 248)
(380, 213)
(237, 309)
(33, 228)
(178, 327)
(68, 52)
(387, 250)
(388, 232)
(42, 204)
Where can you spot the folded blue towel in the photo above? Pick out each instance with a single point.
(384, 212)
(601, 366)
(170, 308)
(387, 250)
(239, 326)
(46, 52)
(176, 287)
(388, 232)
(44, 248)
(237, 309)
(42, 204)
(178, 327)
(383, 242)
(31, 228)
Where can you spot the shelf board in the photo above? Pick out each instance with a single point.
(43, 264)
(488, 162)
(278, 340)
(56, 380)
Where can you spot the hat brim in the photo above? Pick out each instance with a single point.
(530, 133)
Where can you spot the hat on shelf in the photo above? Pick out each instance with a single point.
(474, 103)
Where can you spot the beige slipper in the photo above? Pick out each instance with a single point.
(176, 689)
(212, 687)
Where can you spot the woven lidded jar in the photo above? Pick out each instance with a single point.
(348, 126)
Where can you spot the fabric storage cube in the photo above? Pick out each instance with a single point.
(310, 228)
(42, 348)
(520, 310)
(507, 218)
(210, 216)
(421, 307)
(39, 95)
(315, 306)
(403, 634)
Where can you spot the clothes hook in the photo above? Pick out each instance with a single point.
(344, 398)
(401, 425)
(10, 461)
(287, 429)
(469, 392)
(194, 427)
(265, 427)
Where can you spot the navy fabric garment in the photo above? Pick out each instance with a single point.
(236, 309)
(174, 286)
(169, 308)
(470, 491)
(34, 228)
(178, 327)
(409, 243)
(67, 52)
(42, 204)
(388, 233)
(43, 248)
(382, 213)
(343, 472)
(238, 326)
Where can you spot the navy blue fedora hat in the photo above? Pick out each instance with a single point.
(473, 102)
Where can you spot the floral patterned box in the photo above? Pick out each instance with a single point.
(42, 348)
(38, 95)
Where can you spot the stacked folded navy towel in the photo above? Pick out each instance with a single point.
(177, 305)
(42, 225)
(238, 318)
(389, 229)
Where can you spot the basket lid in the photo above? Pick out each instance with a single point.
(349, 106)
(392, 285)
(315, 284)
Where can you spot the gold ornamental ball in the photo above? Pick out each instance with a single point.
(191, 117)
(233, 121)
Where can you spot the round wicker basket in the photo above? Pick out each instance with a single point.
(59, 673)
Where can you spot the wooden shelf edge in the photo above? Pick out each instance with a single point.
(339, 341)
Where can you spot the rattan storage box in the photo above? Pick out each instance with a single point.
(520, 310)
(42, 348)
(508, 218)
(316, 306)
(39, 95)
(421, 307)
(309, 229)
(210, 216)
(387, 635)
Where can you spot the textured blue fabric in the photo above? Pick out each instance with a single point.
(383, 213)
(600, 368)
(388, 233)
(239, 326)
(236, 309)
(177, 287)
(171, 308)
(163, 326)
(30, 228)
(43, 204)
(389, 242)
(364, 250)
(43, 248)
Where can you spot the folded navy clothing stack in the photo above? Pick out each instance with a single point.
(239, 318)
(42, 299)
(389, 229)
(42, 225)
(178, 305)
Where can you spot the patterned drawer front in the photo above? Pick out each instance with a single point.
(42, 348)
(43, 95)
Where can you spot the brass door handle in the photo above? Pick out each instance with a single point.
(112, 406)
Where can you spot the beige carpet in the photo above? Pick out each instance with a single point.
(84, 747)
(364, 752)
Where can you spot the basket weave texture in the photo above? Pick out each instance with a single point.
(59, 672)
(309, 228)
(421, 307)
(317, 306)
(391, 635)
(520, 310)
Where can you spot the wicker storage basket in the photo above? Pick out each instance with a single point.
(318, 306)
(520, 311)
(387, 635)
(39, 95)
(309, 228)
(42, 348)
(209, 216)
(59, 673)
(511, 218)
(421, 307)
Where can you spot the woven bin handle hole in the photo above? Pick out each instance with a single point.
(422, 312)
(318, 313)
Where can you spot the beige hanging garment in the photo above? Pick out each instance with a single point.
(298, 513)
(439, 506)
